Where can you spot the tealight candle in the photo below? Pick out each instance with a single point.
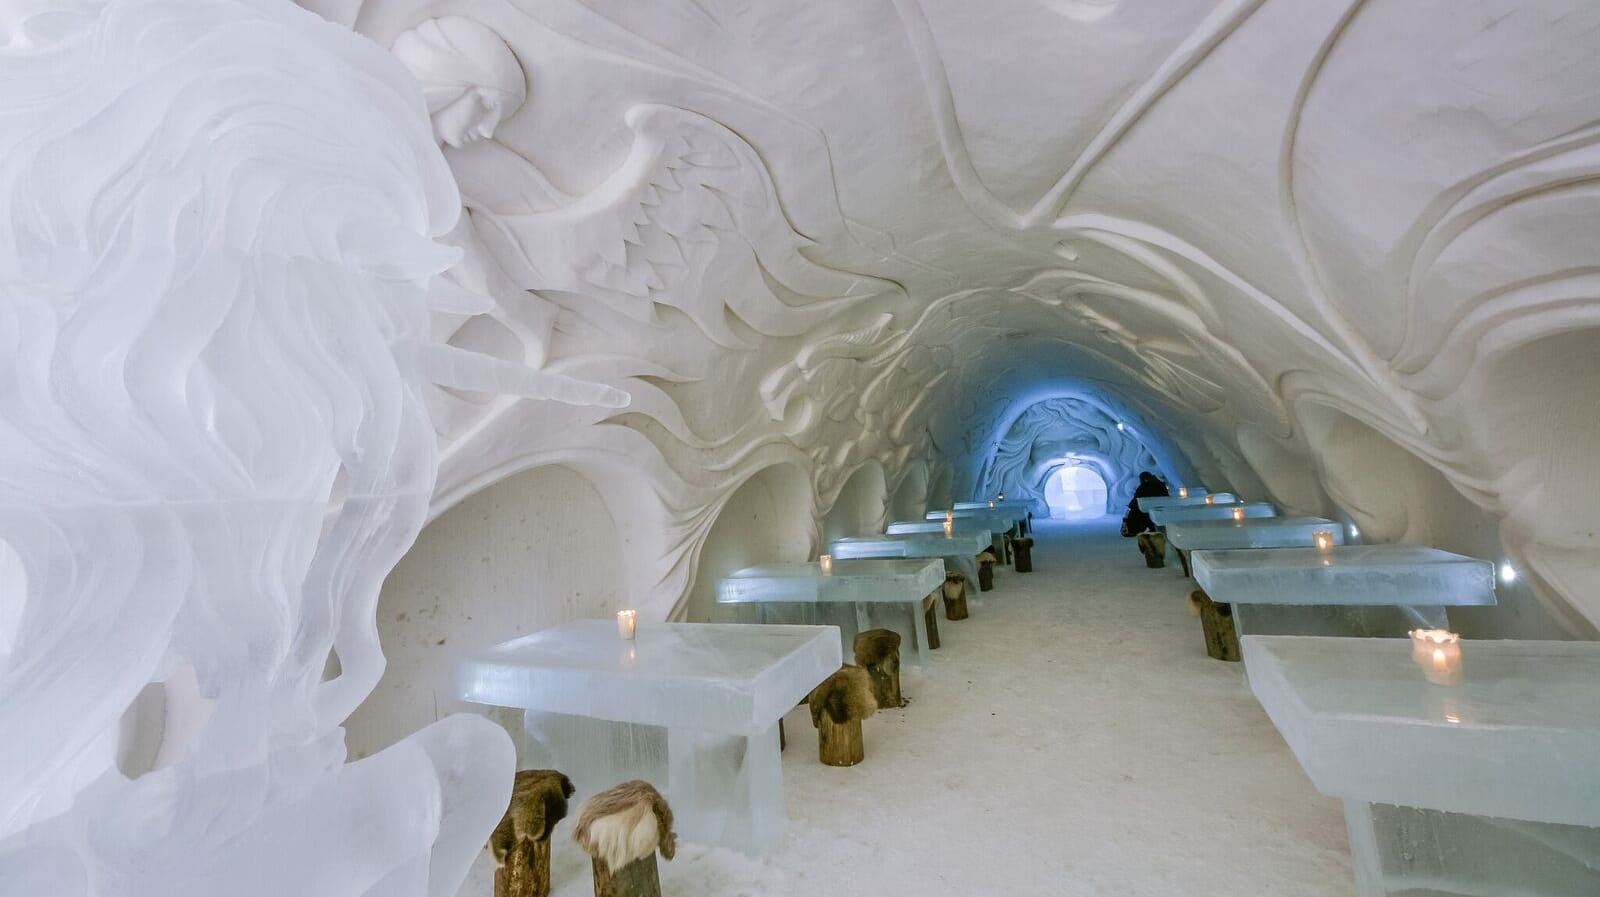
(949, 516)
(949, 527)
(1238, 514)
(1323, 539)
(1001, 496)
(991, 505)
(826, 560)
(627, 624)
(1438, 653)
(1211, 499)
(1183, 491)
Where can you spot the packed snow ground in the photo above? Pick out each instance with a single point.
(1070, 738)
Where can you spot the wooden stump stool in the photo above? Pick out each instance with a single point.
(1024, 551)
(930, 619)
(878, 652)
(838, 706)
(1154, 548)
(955, 596)
(1216, 621)
(621, 829)
(985, 574)
(521, 842)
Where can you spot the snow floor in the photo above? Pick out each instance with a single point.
(1070, 738)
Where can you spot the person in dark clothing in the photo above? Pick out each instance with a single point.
(1137, 521)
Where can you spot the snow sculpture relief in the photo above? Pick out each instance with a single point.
(1055, 432)
(216, 275)
(877, 233)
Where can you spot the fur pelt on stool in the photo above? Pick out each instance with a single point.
(988, 555)
(874, 645)
(953, 585)
(626, 823)
(1154, 548)
(538, 802)
(844, 696)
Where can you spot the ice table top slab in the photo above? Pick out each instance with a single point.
(1186, 513)
(1000, 516)
(1150, 503)
(1351, 574)
(1261, 532)
(728, 678)
(871, 580)
(1013, 506)
(911, 545)
(1516, 739)
(984, 526)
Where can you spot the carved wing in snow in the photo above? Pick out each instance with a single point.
(691, 220)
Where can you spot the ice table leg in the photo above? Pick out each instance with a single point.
(1398, 850)
(595, 754)
(726, 789)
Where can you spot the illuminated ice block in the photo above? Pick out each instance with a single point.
(1260, 532)
(1352, 590)
(692, 708)
(958, 549)
(1190, 513)
(1195, 497)
(858, 595)
(1487, 787)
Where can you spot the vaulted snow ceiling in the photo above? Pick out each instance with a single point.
(1341, 254)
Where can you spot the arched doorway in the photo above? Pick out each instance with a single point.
(1075, 492)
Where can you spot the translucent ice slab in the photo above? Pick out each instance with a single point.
(1349, 574)
(858, 595)
(1195, 497)
(1261, 532)
(721, 678)
(1354, 590)
(969, 525)
(1010, 505)
(1187, 513)
(692, 708)
(1488, 787)
(998, 518)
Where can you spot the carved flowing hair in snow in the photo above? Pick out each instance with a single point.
(216, 272)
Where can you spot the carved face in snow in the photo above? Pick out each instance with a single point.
(470, 79)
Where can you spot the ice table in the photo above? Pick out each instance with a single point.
(959, 548)
(1018, 510)
(692, 708)
(1195, 497)
(1191, 513)
(1353, 590)
(1260, 532)
(994, 517)
(994, 528)
(856, 596)
(1488, 787)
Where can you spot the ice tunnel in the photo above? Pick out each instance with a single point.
(351, 337)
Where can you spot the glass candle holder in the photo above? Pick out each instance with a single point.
(1322, 539)
(1001, 496)
(949, 527)
(1211, 499)
(826, 560)
(991, 505)
(627, 624)
(1183, 491)
(1437, 652)
(949, 516)
(1238, 515)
